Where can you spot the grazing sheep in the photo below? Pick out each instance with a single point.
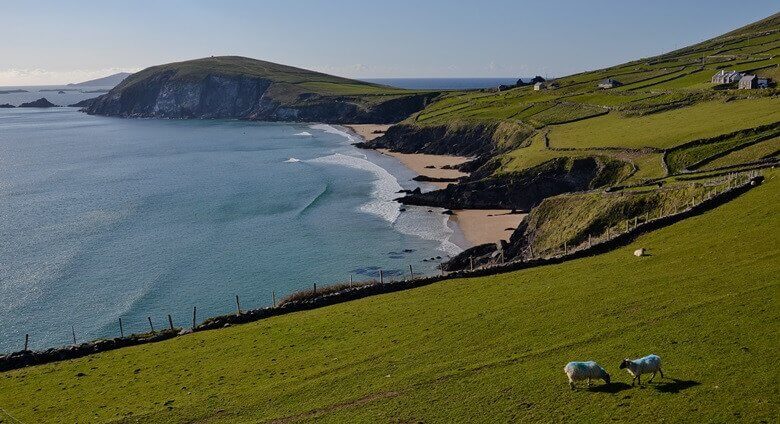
(639, 252)
(577, 371)
(637, 367)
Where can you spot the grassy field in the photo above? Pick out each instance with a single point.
(667, 129)
(766, 148)
(488, 349)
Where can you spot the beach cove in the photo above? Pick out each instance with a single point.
(478, 226)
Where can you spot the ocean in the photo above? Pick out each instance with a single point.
(105, 218)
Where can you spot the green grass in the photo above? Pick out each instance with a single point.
(488, 349)
(751, 153)
(698, 152)
(667, 129)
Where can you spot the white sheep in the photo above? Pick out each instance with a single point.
(637, 367)
(577, 371)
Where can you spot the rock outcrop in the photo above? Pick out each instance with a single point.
(42, 102)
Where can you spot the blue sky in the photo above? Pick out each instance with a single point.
(66, 41)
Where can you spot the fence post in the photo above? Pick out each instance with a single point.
(350, 280)
(627, 225)
(411, 272)
(121, 329)
(381, 277)
(502, 257)
(73, 333)
(170, 322)
(471, 263)
(273, 297)
(26, 341)
(565, 248)
(590, 241)
(315, 288)
(441, 268)
(150, 323)
(194, 313)
(238, 306)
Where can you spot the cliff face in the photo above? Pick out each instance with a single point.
(522, 190)
(244, 97)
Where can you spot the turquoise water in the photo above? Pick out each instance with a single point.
(105, 218)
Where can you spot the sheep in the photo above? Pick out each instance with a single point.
(639, 252)
(637, 367)
(577, 371)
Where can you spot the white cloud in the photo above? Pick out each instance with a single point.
(49, 77)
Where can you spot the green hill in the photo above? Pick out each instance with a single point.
(486, 349)
(666, 120)
(240, 87)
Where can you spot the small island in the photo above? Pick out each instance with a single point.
(42, 103)
(6, 106)
(13, 91)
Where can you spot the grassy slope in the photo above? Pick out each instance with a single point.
(665, 101)
(667, 129)
(487, 349)
(294, 79)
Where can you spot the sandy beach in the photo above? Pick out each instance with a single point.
(368, 132)
(478, 226)
(430, 165)
(486, 226)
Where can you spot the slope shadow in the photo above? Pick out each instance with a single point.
(610, 388)
(674, 385)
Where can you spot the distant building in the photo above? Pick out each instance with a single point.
(553, 85)
(726, 77)
(748, 82)
(540, 86)
(763, 82)
(609, 83)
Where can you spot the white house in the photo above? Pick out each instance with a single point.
(539, 86)
(726, 77)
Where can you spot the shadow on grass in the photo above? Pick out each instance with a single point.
(610, 388)
(674, 385)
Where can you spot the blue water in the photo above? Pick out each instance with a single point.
(70, 96)
(105, 218)
(443, 83)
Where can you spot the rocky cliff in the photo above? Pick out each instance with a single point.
(233, 87)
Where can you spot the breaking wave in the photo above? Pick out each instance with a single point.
(385, 185)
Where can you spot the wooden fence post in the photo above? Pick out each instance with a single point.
(565, 248)
(315, 288)
(73, 333)
(411, 272)
(273, 297)
(194, 313)
(590, 241)
(350, 280)
(471, 263)
(150, 323)
(170, 322)
(121, 329)
(26, 341)
(238, 306)
(381, 277)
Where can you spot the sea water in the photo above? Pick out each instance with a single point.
(102, 218)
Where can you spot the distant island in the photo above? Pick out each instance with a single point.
(244, 88)
(42, 102)
(6, 106)
(109, 81)
(13, 91)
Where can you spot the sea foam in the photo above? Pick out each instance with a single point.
(303, 134)
(385, 185)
